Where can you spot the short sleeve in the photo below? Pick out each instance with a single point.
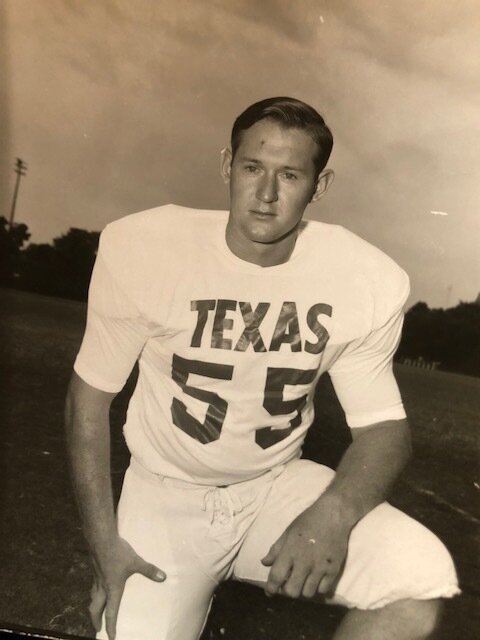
(115, 331)
(363, 376)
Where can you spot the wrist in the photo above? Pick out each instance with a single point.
(102, 543)
(339, 508)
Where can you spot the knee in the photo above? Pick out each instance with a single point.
(412, 563)
(433, 571)
(419, 618)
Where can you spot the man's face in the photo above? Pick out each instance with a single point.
(272, 179)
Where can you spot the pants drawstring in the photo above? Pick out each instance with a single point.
(221, 504)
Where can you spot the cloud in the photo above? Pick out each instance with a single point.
(291, 20)
(420, 38)
(121, 105)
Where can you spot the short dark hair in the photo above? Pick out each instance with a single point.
(290, 113)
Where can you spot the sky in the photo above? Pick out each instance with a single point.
(119, 106)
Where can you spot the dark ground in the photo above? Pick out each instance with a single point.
(45, 573)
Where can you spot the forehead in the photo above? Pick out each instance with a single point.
(268, 139)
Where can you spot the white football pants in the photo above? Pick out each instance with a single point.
(201, 535)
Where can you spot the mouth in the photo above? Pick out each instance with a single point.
(262, 214)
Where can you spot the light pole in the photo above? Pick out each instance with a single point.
(20, 170)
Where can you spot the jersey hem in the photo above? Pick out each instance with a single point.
(94, 381)
(365, 420)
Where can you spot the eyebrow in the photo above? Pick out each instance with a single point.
(250, 160)
(286, 167)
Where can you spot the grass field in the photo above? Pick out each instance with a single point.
(45, 573)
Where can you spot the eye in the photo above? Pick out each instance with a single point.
(251, 168)
(289, 176)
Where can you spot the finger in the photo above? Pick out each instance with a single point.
(111, 611)
(279, 573)
(293, 586)
(310, 588)
(325, 585)
(271, 556)
(97, 606)
(151, 571)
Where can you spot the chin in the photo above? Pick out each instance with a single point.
(264, 238)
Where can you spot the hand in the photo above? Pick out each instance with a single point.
(111, 573)
(309, 556)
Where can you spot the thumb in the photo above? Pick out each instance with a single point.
(151, 571)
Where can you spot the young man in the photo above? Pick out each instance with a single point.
(233, 316)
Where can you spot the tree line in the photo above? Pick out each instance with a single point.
(62, 268)
(447, 339)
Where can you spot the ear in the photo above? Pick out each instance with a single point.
(324, 181)
(225, 164)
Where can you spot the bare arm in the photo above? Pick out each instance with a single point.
(88, 445)
(363, 480)
(369, 468)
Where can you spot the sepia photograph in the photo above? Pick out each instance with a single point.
(240, 319)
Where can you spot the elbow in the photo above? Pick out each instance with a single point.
(402, 440)
(68, 408)
(70, 404)
(407, 442)
(390, 436)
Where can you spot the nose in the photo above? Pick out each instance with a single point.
(267, 188)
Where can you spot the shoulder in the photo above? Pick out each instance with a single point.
(147, 235)
(167, 221)
(154, 245)
(367, 274)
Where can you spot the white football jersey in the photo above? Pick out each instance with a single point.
(230, 352)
